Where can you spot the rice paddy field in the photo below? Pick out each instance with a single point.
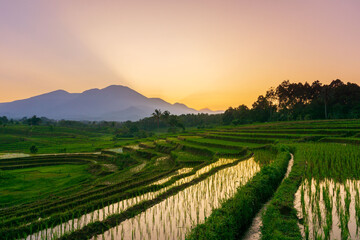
(283, 180)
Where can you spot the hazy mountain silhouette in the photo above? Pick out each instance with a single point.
(113, 103)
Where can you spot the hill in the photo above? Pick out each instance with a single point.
(113, 103)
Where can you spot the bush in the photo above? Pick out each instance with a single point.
(33, 149)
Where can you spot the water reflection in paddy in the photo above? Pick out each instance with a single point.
(175, 216)
(178, 172)
(329, 210)
(101, 214)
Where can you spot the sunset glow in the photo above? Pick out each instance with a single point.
(211, 54)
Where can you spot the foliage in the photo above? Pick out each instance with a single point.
(34, 120)
(280, 220)
(33, 149)
(234, 216)
(298, 101)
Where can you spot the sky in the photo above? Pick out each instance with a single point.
(203, 53)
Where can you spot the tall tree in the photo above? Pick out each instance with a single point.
(157, 115)
(262, 109)
(165, 116)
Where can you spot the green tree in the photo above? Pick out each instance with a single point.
(34, 120)
(174, 123)
(262, 109)
(157, 115)
(229, 116)
(33, 149)
(165, 116)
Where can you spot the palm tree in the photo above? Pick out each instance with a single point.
(165, 116)
(157, 115)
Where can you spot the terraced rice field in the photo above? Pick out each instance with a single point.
(205, 184)
(173, 217)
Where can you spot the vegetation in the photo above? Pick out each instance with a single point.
(58, 139)
(234, 216)
(298, 101)
(17, 186)
(280, 219)
(326, 161)
(33, 149)
(118, 181)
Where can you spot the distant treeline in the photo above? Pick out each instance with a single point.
(298, 101)
(173, 123)
(288, 101)
(140, 129)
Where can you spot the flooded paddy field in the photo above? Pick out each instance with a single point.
(175, 216)
(116, 208)
(328, 209)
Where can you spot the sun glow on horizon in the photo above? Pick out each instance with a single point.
(205, 54)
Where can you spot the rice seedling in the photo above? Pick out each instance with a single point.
(337, 211)
(106, 210)
(178, 172)
(199, 200)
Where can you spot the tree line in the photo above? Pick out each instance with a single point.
(298, 101)
(166, 120)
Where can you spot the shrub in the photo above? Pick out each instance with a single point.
(33, 149)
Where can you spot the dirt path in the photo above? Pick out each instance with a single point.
(254, 232)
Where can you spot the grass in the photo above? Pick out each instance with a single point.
(222, 143)
(329, 160)
(241, 139)
(23, 185)
(187, 158)
(19, 138)
(209, 149)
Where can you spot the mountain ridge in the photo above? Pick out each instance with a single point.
(112, 103)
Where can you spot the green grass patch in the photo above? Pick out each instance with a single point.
(24, 185)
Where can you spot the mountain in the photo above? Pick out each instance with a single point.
(113, 103)
(208, 111)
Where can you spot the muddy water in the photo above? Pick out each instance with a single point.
(175, 216)
(329, 208)
(102, 213)
(254, 232)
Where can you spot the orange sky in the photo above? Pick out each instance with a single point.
(209, 53)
